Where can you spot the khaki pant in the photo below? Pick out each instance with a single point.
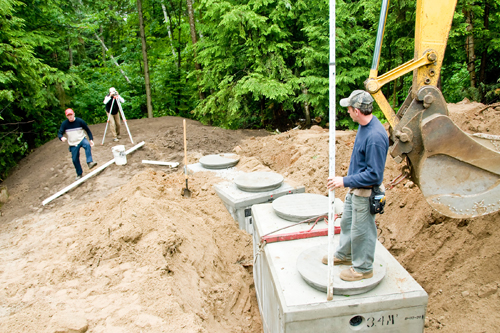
(358, 235)
(114, 124)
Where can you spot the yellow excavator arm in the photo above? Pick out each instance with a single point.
(459, 175)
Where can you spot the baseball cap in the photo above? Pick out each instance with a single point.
(69, 111)
(358, 99)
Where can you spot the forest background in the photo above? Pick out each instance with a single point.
(233, 64)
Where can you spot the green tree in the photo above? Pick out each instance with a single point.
(31, 90)
(249, 54)
(476, 26)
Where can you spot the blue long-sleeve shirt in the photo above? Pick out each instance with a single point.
(367, 164)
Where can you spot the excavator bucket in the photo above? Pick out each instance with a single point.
(458, 174)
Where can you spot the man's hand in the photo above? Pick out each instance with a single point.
(63, 139)
(91, 143)
(335, 182)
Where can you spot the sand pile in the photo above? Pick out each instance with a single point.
(144, 258)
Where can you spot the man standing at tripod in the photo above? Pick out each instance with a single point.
(112, 101)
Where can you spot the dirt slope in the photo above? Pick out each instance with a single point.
(124, 252)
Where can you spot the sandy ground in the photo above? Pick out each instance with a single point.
(125, 252)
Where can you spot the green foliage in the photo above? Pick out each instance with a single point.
(262, 61)
(12, 148)
(486, 33)
(246, 47)
(29, 86)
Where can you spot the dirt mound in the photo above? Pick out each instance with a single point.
(49, 169)
(125, 252)
(142, 258)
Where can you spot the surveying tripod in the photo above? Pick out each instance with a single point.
(123, 117)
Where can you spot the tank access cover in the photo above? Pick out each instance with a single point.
(315, 273)
(219, 161)
(301, 206)
(258, 181)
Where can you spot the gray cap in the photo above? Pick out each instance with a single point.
(359, 99)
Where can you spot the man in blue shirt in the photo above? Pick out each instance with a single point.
(358, 235)
(75, 129)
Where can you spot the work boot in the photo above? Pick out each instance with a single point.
(78, 177)
(351, 275)
(91, 164)
(336, 261)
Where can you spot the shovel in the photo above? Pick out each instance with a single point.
(185, 191)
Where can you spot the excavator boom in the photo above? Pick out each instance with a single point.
(459, 175)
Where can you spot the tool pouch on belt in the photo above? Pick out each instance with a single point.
(377, 201)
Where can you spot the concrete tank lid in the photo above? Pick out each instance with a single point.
(315, 273)
(258, 181)
(219, 161)
(301, 206)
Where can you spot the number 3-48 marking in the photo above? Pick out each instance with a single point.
(383, 321)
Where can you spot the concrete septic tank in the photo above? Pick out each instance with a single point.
(288, 304)
(239, 202)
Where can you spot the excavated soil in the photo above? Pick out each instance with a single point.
(125, 252)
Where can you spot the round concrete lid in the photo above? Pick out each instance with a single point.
(315, 273)
(220, 161)
(258, 181)
(301, 206)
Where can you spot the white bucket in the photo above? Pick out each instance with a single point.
(119, 154)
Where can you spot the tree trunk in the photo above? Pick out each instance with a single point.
(70, 53)
(113, 58)
(192, 28)
(306, 108)
(169, 30)
(145, 60)
(103, 50)
(469, 48)
(194, 40)
(179, 58)
(484, 55)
